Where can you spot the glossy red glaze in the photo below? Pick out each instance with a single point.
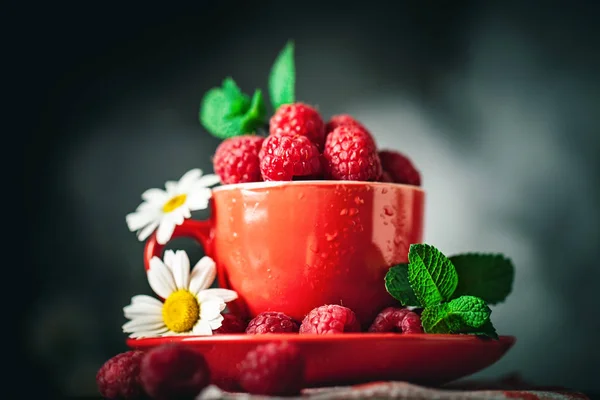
(294, 246)
(354, 357)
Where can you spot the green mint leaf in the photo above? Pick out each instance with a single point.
(467, 314)
(398, 286)
(282, 79)
(435, 319)
(256, 114)
(227, 112)
(238, 101)
(486, 329)
(470, 311)
(488, 276)
(431, 274)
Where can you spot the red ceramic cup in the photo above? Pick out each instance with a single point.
(294, 246)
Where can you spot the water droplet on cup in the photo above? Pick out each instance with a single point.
(331, 236)
(233, 200)
(389, 211)
(358, 200)
(384, 191)
(344, 211)
(353, 211)
(300, 195)
(314, 247)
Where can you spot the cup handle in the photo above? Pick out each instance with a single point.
(200, 231)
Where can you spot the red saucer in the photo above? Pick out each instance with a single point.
(354, 357)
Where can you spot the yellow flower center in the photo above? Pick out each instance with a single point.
(174, 202)
(181, 311)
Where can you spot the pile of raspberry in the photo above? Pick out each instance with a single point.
(177, 371)
(301, 146)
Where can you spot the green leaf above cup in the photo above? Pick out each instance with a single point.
(282, 79)
(226, 111)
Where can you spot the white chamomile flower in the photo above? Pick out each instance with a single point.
(165, 209)
(189, 308)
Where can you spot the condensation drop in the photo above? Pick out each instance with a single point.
(331, 236)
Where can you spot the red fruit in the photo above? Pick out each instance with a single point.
(231, 324)
(275, 369)
(174, 371)
(400, 320)
(236, 159)
(399, 167)
(119, 377)
(271, 322)
(285, 157)
(298, 119)
(385, 177)
(343, 120)
(351, 155)
(330, 319)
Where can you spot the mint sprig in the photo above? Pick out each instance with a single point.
(431, 274)
(398, 285)
(466, 314)
(489, 276)
(226, 111)
(455, 298)
(282, 79)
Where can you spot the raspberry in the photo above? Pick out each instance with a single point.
(119, 377)
(231, 324)
(385, 177)
(345, 120)
(173, 371)
(351, 155)
(271, 322)
(275, 369)
(330, 319)
(400, 320)
(236, 159)
(399, 167)
(298, 119)
(283, 158)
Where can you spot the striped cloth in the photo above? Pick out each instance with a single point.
(403, 390)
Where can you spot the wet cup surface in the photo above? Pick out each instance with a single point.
(294, 246)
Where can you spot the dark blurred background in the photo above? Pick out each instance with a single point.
(496, 102)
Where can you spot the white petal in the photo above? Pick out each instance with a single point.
(198, 199)
(145, 206)
(216, 323)
(145, 299)
(143, 324)
(149, 333)
(139, 219)
(165, 230)
(203, 275)
(188, 179)
(169, 259)
(184, 212)
(171, 187)
(202, 328)
(160, 278)
(211, 309)
(181, 269)
(135, 310)
(225, 294)
(155, 196)
(147, 231)
(209, 180)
